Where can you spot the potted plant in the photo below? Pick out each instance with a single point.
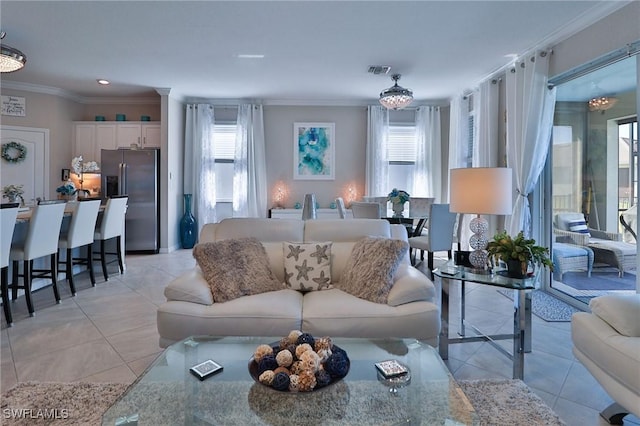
(518, 253)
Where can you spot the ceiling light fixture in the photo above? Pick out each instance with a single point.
(396, 97)
(10, 59)
(103, 81)
(602, 103)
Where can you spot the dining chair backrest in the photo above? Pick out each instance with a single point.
(419, 207)
(441, 227)
(361, 210)
(113, 218)
(342, 210)
(83, 223)
(44, 230)
(7, 224)
(46, 202)
(382, 202)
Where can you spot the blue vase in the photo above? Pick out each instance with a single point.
(188, 225)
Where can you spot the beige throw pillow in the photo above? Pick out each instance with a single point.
(235, 268)
(307, 266)
(371, 267)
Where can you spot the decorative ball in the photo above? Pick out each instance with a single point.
(322, 343)
(337, 365)
(266, 378)
(310, 361)
(293, 336)
(324, 354)
(306, 338)
(284, 343)
(284, 358)
(300, 349)
(322, 379)
(261, 351)
(292, 348)
(268, 362)
(281, 382)
(296, 367)
(306, 381)
(294, 383)
(284, 370)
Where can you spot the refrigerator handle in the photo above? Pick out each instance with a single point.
(122, 167)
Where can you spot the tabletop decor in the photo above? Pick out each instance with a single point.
(299, 363)
(67, 190)
(518, 253)
(80, 167)
(398, 197)
(14, 152)
(13, 192)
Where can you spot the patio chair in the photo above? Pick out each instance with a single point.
(629, 221)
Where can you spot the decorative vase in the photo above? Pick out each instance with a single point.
(188, 225)
(309, 209)
(514, 269)
(398, 208)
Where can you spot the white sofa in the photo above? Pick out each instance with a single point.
(411, 310)
(607, 343)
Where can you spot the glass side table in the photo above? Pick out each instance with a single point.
(450, 273)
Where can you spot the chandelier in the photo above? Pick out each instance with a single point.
(602, 103)
(396, 97)
(10, 59)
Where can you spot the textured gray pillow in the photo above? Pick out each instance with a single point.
(371, 267)
(235, 268)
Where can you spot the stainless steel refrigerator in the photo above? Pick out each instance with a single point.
(135, 173)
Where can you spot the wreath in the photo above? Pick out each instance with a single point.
(14, 152)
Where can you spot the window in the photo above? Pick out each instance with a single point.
(627, 163)
(224, 143)
(401, 152)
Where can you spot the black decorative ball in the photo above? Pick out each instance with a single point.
(281, 382)
(306, 338)
(337, 365)
(322, 379)
(268, 362)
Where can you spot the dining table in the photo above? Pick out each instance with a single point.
(413, 225)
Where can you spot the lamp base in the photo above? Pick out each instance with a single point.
(478, 241)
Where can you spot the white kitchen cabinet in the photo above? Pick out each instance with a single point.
(142, 135)
(92, 137)
(105, 138)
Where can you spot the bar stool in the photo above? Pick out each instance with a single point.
(41, 240)
(79, 234)
(8, 214)
(111, 226)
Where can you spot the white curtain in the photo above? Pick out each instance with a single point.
(377, 165)
(250, 165)
(199, 172)
(428, 169)
(459, 149)
(530, 107)
(486, 120)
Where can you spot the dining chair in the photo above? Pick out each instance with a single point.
(8, 215)
(439, 235)
(361, 210)
(79, 234)
(110, 226)
(342, 210)
(40, 240)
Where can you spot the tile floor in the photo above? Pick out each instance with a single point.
(108, 333)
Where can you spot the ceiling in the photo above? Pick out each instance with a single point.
(315, 52)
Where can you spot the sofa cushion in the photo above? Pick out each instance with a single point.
(307, 266)
(371, 267)
(620, 311)
(579, 226)
(410, 285)
(235, 267)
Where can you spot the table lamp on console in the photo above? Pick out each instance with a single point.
(478, 191)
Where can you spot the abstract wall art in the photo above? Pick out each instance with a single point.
(314, 151)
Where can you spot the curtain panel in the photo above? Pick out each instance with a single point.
(428, 167)
(486, 120)
(250, 165)
(199, 172)
(377, 164)
(530, 108)
(458, 150)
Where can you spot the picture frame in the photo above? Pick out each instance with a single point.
(314, 151)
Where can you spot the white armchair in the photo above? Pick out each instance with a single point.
(607, 342)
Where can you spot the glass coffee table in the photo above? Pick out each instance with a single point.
(167, 393)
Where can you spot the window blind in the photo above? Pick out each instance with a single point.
(401, 146)
(224, 141)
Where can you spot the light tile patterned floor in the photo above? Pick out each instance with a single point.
(108, 333)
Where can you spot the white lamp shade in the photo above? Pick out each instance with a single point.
(481, 190)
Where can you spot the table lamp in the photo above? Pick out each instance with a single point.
(480, 190)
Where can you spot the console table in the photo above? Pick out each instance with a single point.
(450, 273)
(297, 213)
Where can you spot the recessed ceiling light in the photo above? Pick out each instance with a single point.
(250, 56)
(102, 81)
